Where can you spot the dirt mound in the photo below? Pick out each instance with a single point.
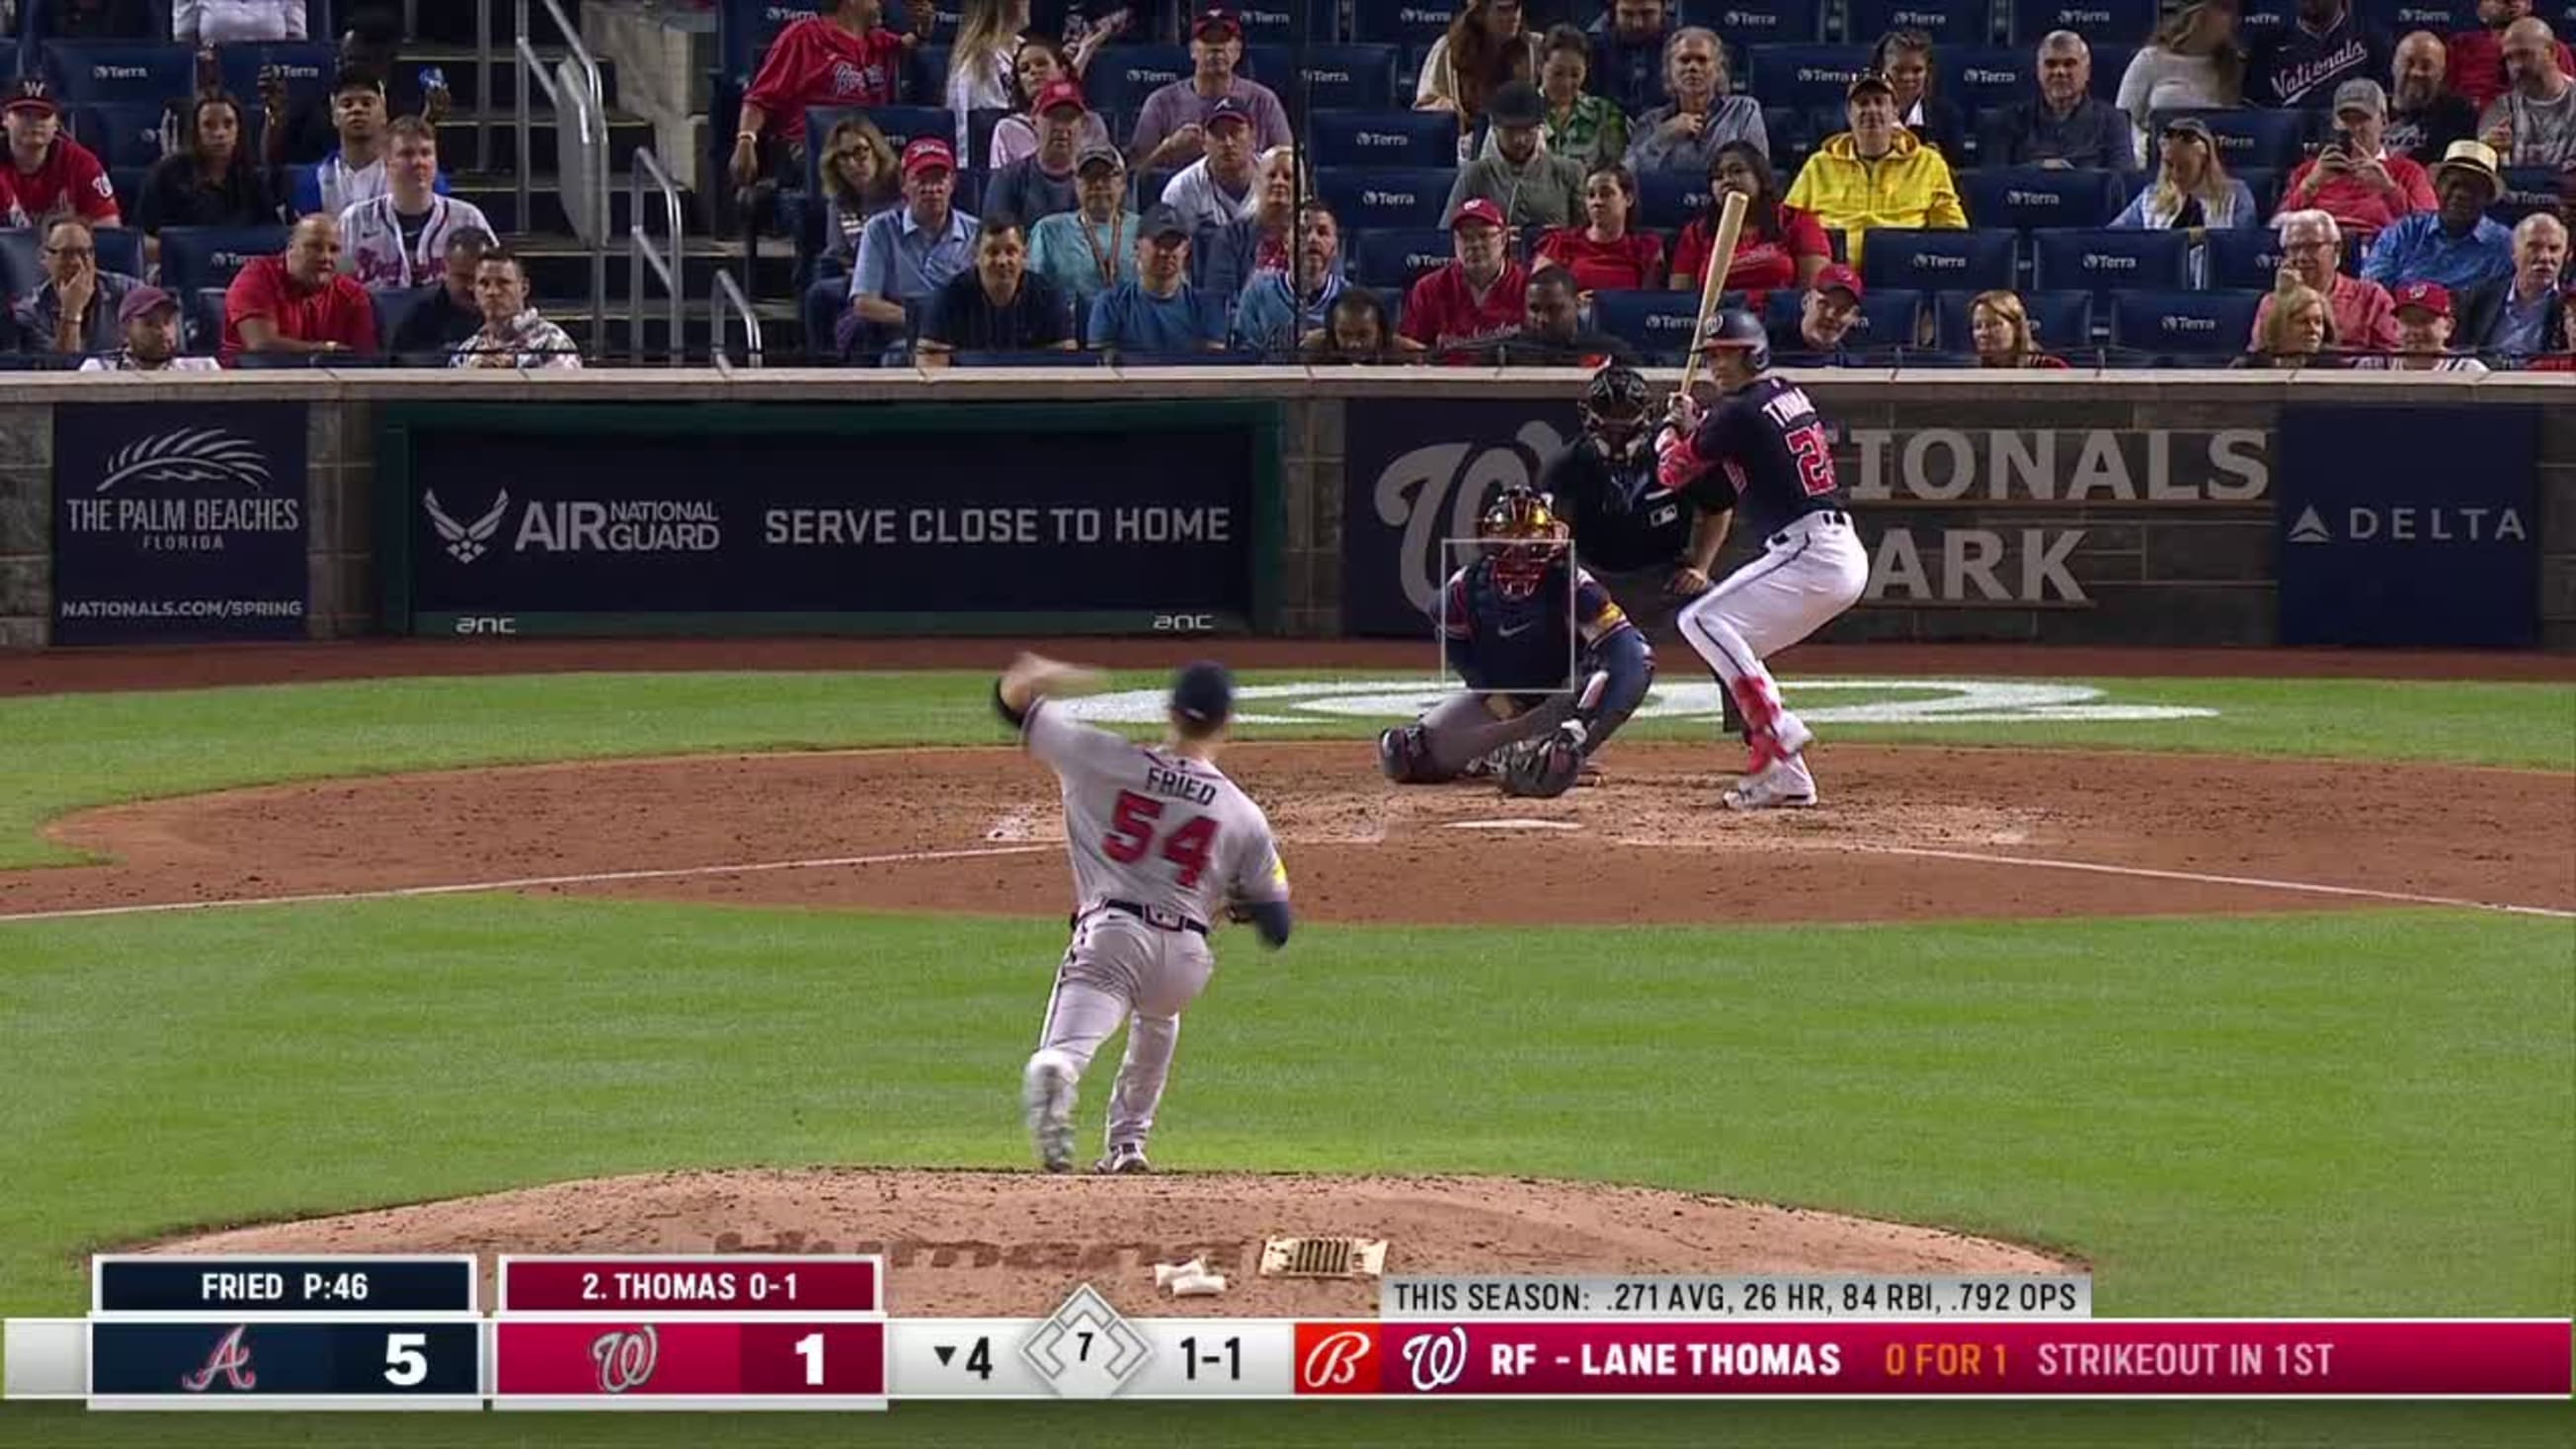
(1004, 1244)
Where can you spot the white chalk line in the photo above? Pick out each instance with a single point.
(532, 882)
(2207, 878)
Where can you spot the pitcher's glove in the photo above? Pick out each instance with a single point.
(1238, 912)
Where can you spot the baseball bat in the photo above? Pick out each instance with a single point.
(1721, 260)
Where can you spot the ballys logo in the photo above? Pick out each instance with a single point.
(1436, 492)
(626, 1359)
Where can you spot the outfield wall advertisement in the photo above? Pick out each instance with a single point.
(1116, 519)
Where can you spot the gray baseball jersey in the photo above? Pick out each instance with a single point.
(1155, 829)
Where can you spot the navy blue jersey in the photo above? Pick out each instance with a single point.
(2296, 68)
(1622, 517)
(1529, 645)
(1760, 450)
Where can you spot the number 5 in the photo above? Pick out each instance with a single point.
(408, 1366)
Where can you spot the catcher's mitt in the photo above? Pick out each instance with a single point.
(1543, 768)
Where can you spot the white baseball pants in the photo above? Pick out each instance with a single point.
(1119, 969)
(1808, 573)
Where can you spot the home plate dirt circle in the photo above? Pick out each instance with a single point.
(964, 1244)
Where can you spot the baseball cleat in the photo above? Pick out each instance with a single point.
(1123, 1159)
(1780, 785)
(1047, 1094)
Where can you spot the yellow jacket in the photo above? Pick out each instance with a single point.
(1909, 186)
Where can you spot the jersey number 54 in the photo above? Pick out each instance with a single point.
(1134, 825)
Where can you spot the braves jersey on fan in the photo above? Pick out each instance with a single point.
(1525, 645)
(1621, 516)
(1762, 451)
(1151, 828)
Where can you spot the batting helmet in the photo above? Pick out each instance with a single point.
(1522, 536)
(1618, 407)
(1737, 328)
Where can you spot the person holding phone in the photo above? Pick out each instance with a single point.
(2356, 179)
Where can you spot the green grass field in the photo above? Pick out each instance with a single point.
(2333, 1114)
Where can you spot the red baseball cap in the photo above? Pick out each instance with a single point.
(2431, 297)
(928, 153)
(30, 93)
(1477, 208)
(1059, 92)
(1836, 274)
(1215, 17)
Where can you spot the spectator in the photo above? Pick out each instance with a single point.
(399, 240)
(92, 19)
(1159, 313)
(1607, 253)
(996, 307)
(1826, 315)
(1093, 248)
(297, 302)
(1171, 130)
(2323, 45)
(2564, 358)
(1225, 259)
(906, 254)
(431, 328)
(2479, 68)
(2190, 63)
(2356, 180)
(1037, 65)
(981, 58)
(2423, 118)
(236, 22)
(2294, 326)
(1218, 187)
(210, 181)
(1780, 246)
(1487, 48)
(74, 309)
(1628, 63)
(1041, 183)
(1876, 173)
(1999, 329)
(1532, 186)
(2521, 316)
(50, 174)
(2424, 328)
(2454, 244)
(356, 171)
(1357, 333)
(1276, 314)
(1583, 128)
(1477, 295)
(859, 179)
(1685, 135)
(149, 318)
(512, 334)
(370, 48)
(1905, 58)
(2533, 123)
(1551, 333)
(841, 56)
(2192, 190)
(2311, 244)
(2066, 127)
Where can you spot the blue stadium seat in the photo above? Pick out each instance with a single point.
(2211, 324)
(2110, 62)
(195, 258)
(1122, 75)
(1410, 23)
(2242, 259)
(1671, 200)
(1267, 22)
(2442, 17)
(8, 57)
(1806, 77)
(2263, 184)
(1384, 138)
(927, 78)
(944, 18)
(2102, 262)
(1370, 198)
(2027, 198)
(1655, 323)
(2061, 321)
(392, 308)
(980, 125)
(2262, 19)
(305, 66)
(1340, 78)
(127, 135)
(1948, 22)
(2532, 188)
(1398, 257)
(1986, 77)
(1937, 261)
(1757, 22)
(2274, 139)
(744, 29)
(120, 72)
(2121, 21)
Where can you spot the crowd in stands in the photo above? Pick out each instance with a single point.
(1556, 177)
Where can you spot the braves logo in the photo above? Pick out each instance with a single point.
(1334, 1362)
(626, 1358)
(231, 1359)
(1437, 492)
(1436, 1360)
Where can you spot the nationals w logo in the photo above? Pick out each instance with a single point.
(231, 1359)
(626, 1359)
(1439, 491)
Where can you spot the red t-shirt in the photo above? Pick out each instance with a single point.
(814, 62)
(71, 180)
(2476, 69)
(1760, 265)
(2360, 206)
(2563, 362)
(1631, 263)
(1443, 313)
(337, 311)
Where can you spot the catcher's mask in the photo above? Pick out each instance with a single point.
(1522, 536)
(1618, 408)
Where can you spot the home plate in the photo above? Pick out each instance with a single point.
(1514, 824)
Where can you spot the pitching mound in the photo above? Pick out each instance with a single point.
(1006, 1244)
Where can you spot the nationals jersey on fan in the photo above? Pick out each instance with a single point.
(1153, 829)
(1523, 645)
(1761, 450)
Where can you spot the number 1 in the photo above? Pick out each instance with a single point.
(810, 1348)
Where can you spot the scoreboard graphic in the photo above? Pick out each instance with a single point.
(737, 1332)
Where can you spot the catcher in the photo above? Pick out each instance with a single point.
(1507, 629)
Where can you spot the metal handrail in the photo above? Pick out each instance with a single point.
(482, 80)
(590, 113)
(727, 296)
(641, 253)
